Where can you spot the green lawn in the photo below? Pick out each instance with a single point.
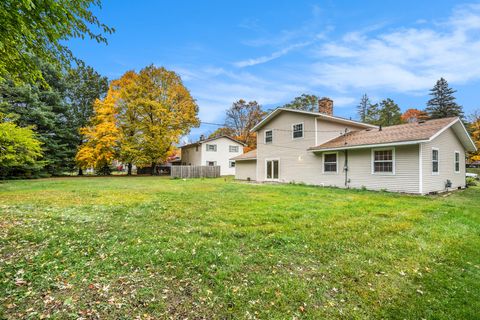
(149, 247)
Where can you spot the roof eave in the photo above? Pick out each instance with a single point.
(366, 146)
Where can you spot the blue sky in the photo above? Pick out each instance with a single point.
(272, 51)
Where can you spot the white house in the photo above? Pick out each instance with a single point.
(320, 149)
(216, 151)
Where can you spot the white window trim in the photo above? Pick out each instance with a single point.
(373, 162)
(303, 130)
(323, 163)
(233, 146)
(455, 162)
(230, 163)
(265, 136)
(214, 163)
(209, 144)
(438, 161)
(272, 179)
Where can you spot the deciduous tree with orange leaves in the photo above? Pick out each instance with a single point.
(414, 115)
(475, 130)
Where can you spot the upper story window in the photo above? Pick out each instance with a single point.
(233, 148)
(268, 136)
(457, 162)
(435, 166)
(211, 147)
(330, 162)
(297, 130)
(383, 161)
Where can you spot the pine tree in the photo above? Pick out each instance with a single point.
(363, 107)
(389, 113)
(443, 104)
(306, 102)
(372, 114)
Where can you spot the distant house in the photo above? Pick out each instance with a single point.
(320, 149)
(216, 151)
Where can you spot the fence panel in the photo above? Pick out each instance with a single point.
(186, 172)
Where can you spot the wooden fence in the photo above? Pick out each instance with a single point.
(195, 171)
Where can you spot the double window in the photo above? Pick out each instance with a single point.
(297, 131)
(233, 148)
(435, 163)
(383, 161)
(330, 162)
(268, 136)
(212, 147)
(457, 162)
(272, 168)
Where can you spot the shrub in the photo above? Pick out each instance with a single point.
(471, 182)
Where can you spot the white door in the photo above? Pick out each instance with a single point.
(272, 168)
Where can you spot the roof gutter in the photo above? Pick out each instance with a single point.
(365, 146)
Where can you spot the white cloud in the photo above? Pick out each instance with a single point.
(273, 56)
(403, 60)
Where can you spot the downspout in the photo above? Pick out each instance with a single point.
(346, 168)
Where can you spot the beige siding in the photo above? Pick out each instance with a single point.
(192, 155)
(405, 179)
(447, 143)
(328, 130)
(246, 170)
(297, 164)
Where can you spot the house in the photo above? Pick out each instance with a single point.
(216, 151)
(320, 149)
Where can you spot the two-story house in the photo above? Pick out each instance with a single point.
(320, 149)
(216, 151)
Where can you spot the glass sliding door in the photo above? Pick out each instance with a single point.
(272, 168)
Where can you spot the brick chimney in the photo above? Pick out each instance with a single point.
(325, 106)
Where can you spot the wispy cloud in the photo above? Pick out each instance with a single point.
(273, 56)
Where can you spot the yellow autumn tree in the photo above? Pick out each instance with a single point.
(101, 136)
(475, 129)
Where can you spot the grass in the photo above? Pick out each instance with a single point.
(155, 248)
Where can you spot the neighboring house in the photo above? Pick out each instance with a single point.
(213, 152)
(320, 149)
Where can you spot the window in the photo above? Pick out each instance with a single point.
(233, 148)
(297, 130)
(268, 136)
(383, 161)
(196, 148)
(435, 161)
(272, 169)
(211, 147)
(330, 162)
(231, 164)
(211, 163)
(457, 162)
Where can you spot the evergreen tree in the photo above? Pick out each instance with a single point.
(389, 113)
(443, 104)
(363, 107)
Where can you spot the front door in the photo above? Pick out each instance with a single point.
(272, 169)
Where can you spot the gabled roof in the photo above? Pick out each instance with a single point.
(251, 155)
(410, 133)
(211, 139)
(275, 112)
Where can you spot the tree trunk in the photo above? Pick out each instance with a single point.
(129, 172)
(80, 172)
(154, 166)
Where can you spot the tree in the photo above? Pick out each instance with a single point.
(222, 131)
(362, 108)
(101, 135)
(19, 147)
(389, 113)
(414, 115)
(442, 104)
(165, 111)
(306, 102)
(241, 117)
(32, 30)
(83, 86)
(475, 130)
(372, 115)
(44, 109)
